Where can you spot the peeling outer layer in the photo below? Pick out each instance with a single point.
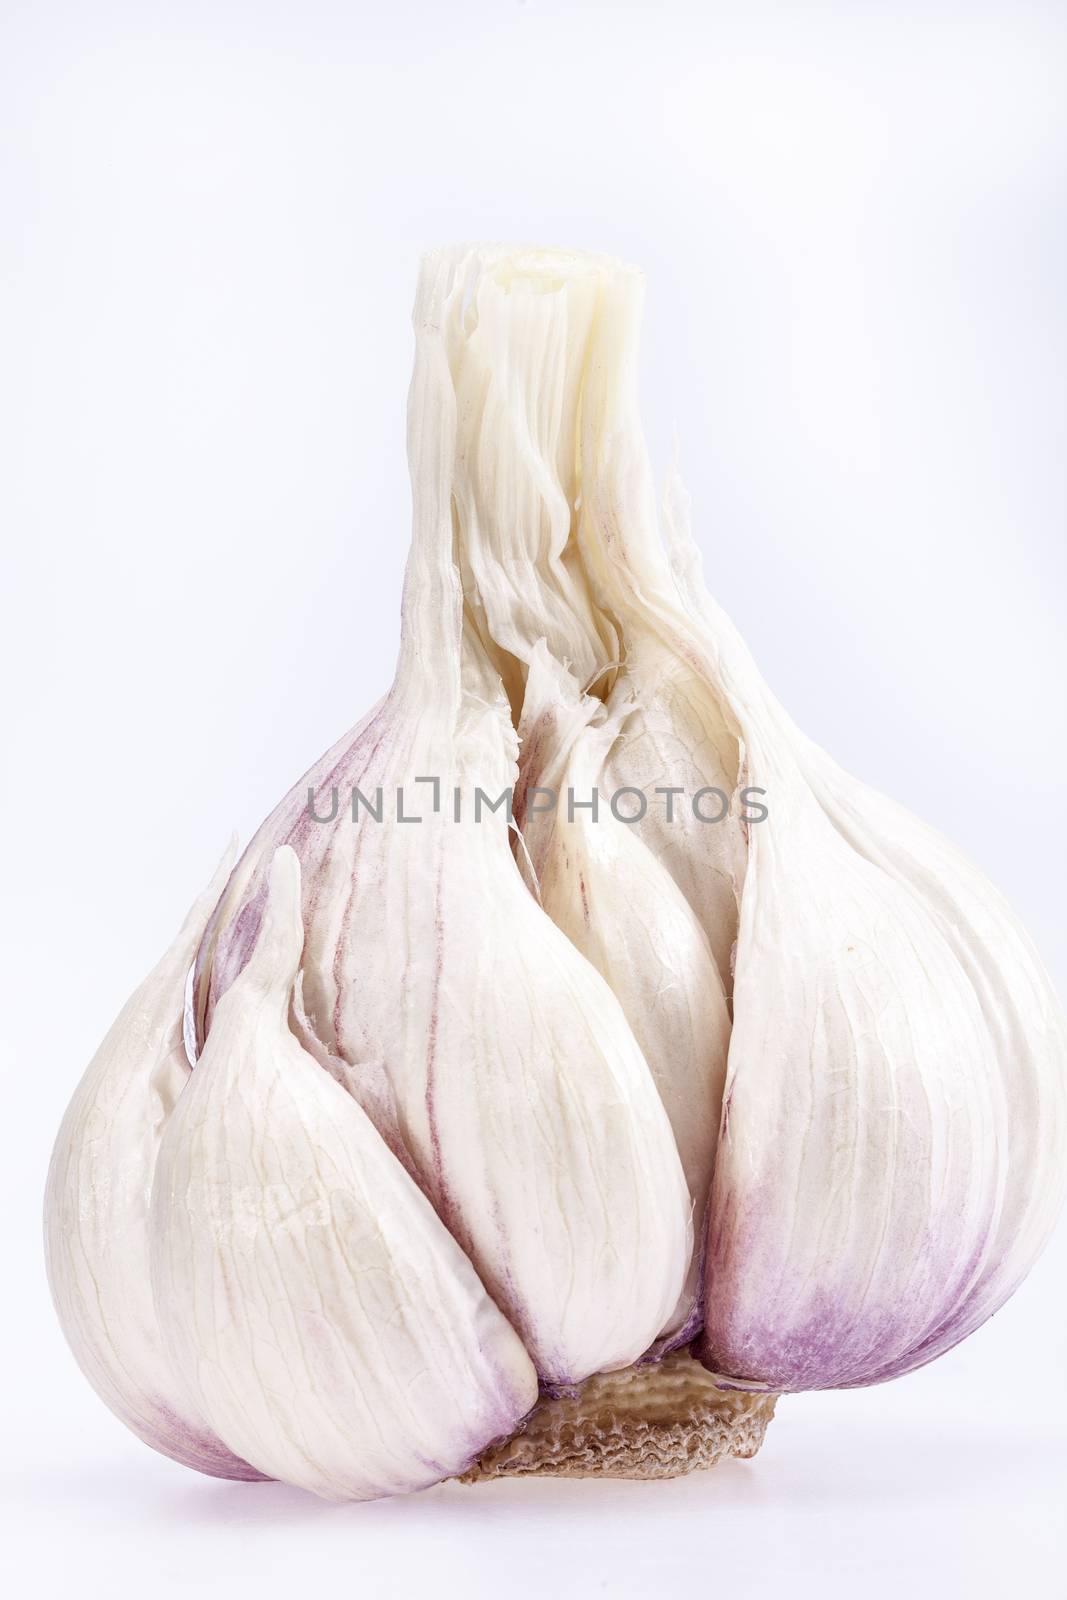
(328, 1324)
(658, 1421)
(96, 1213)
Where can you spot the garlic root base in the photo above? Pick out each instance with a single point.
(656, 1421)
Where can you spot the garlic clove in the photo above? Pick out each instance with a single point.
(618, 906)
(1021, 1017)
(96, 1212)
(539, 1128)
(860, 1169)
(329, 1325)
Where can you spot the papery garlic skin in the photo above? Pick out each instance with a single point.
(329, 1325)
(518, 337)
(96, 1212)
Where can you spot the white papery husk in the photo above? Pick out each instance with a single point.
(330, 1326)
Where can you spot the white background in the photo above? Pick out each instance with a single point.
(851, 217)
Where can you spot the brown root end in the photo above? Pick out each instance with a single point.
(655, 1421)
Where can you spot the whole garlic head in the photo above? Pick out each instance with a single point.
(505, 1114)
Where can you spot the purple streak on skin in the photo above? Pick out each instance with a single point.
(952, 1331)
(531, 761)
(837, 1344)
(311, 909)
(830, 1338)
(226, 948)
(689, 1330)
(445, 1209)
(818, 1352)
(192, 1448)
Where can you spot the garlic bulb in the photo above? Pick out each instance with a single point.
(579, 1058)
